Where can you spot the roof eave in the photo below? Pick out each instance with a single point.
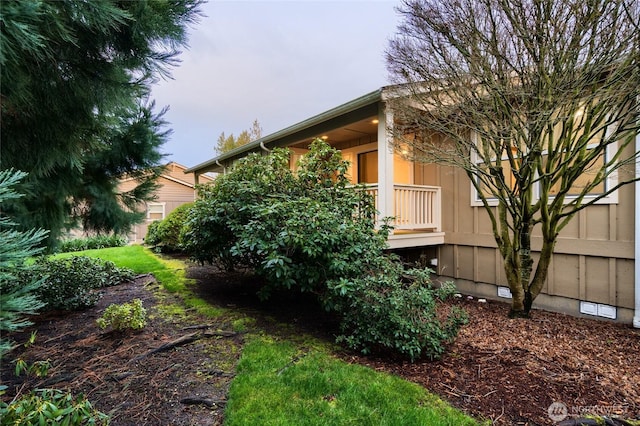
(355, 104)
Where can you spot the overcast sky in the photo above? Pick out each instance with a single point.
(279, 62)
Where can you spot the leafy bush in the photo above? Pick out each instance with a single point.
(91, 243)
(395, 309)
(296, 230)
(166, 234)
(69, 283)
(50, 407)
(153, 233)
(16, 301)
(314, 232)
(130, 315)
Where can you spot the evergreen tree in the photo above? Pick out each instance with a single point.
(76, 114)
(16, 247)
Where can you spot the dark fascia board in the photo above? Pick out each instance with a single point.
(354, 110)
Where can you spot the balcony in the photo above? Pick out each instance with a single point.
(416, 215)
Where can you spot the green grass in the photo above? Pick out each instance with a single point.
(278, 384)
(170, 273)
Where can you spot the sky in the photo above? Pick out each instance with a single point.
(279, 62)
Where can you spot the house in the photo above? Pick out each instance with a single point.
(175, 188)
(593, 271)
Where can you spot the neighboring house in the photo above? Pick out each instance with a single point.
(176, 188)
(593, 270)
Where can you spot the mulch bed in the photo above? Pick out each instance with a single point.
(128, 375)
(508, 371)
(511, 370)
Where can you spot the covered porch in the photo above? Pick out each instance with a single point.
(360, 130)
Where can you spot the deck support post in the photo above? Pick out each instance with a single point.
(385, 162)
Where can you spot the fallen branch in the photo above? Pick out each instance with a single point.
(188, 338)
(170, 345)
(197, 327)
(195, 400)
(219, 333)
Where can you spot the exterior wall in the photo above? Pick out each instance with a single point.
(593, 260)
(171, 194)
(176, 189)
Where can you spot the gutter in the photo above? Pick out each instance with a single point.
(636, 317)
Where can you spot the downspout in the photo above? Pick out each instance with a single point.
(636, 317)
(224, 169)
(264, 147)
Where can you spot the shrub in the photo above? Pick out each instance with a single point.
(166, 234)
(130, 315)
(312, 231)
(50, 407)
(91, 243)
(296, 230)
(69, 283)
(16, 301)
(153, 234)
(395, 309)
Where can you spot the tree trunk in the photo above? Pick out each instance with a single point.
(521, 305)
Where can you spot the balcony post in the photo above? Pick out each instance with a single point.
(385, 162)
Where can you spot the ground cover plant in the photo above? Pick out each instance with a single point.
(312, 231)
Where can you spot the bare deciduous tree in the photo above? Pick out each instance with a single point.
(537, 100)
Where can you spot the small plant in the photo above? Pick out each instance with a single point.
(130, 315)
(37, 369)
(69, 283)
(50, 407)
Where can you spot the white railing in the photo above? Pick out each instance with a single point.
(415, 207)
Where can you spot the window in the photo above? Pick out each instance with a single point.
(155, 211)
(368, 167)
(586, 177)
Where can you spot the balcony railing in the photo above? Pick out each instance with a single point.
(415, 207)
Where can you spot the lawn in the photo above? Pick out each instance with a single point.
(297, 381)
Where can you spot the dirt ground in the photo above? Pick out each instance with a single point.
(508, 371)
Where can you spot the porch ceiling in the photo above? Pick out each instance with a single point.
(365, 128)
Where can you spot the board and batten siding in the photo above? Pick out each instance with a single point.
(593, 259)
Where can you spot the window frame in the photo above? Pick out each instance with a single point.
(149, 212)
(610, 182)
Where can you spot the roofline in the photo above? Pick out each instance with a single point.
(353, 105)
